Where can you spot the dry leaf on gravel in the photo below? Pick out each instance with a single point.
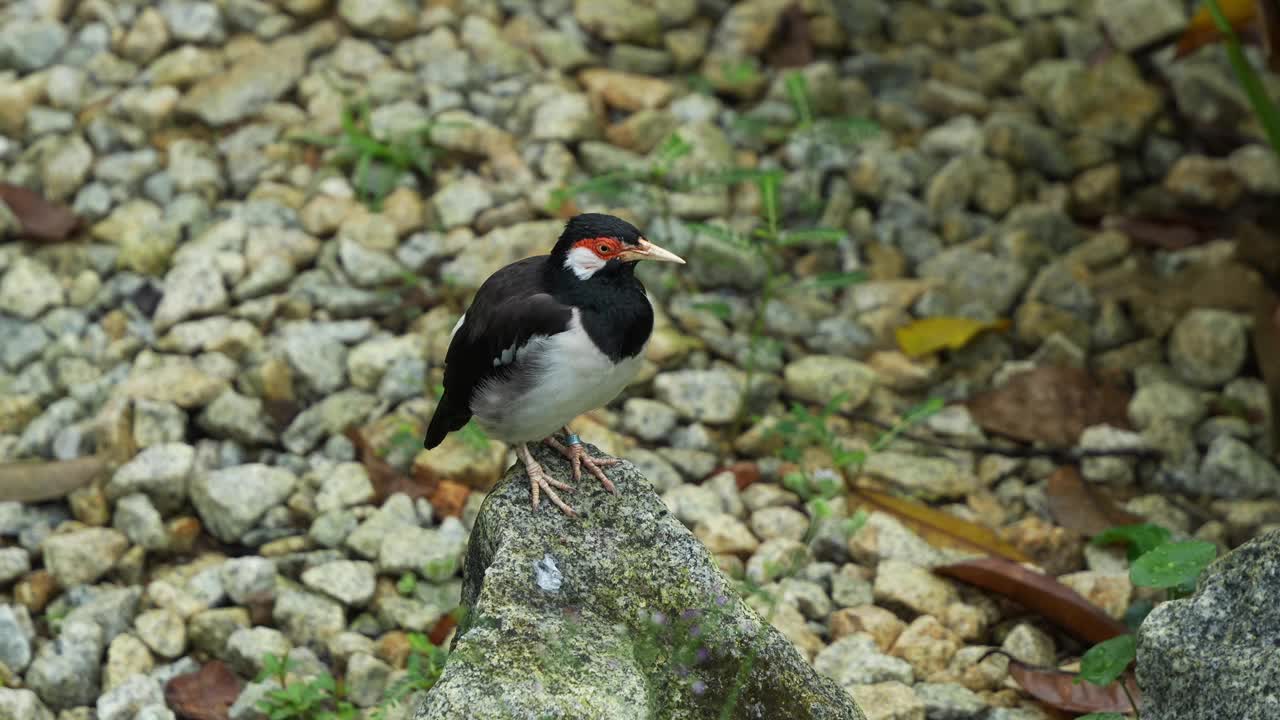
(1059, 689)
(206, 694)
(929, 335)
(37, 481)
(40, 219)
(1078, 506)
(1050, 404)
(939, 528)
(1039, 593)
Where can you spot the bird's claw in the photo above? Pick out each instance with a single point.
(578, 458)
(540, 480)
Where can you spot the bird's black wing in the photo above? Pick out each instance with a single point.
(510, 307)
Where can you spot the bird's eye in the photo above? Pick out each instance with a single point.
(604, 249)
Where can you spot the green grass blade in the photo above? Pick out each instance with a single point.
(1263, 106)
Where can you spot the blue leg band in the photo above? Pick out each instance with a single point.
(573, 439)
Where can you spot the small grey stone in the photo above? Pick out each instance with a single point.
(16, 634)
(710, 396)
(158, 423)
(318, 359)
(855, 660)
(29, 288)
(109, 607)
(191, 289)
(24, 341)
(1258, 168)
(849, 588)
(1165, 400)
(350, 582)
(82, 556)
(1208, 347)
(193, 21)
(249, 579)
(238, 417)
(1138, 23)
(1233, 469)
(779, 522)
(950, 701)
(978, 284)
(139, 520)
(231, 501)
(367, 267)
(247, 647)
(306, 616)
(366, 679)
(777, 558)
(565, 116)
(692, 504)
(332, 415)
(37, 438)
(660, 473)
(208, 630)
(821, 379)
(1113, 470)
(929, 477)
(380, 18)
(14, 563)
(369, 361)
(367, 540)
(458, 203)
(65, 673)
(346, 485)
(22, 704)
(253, 81)
(163, 631)
(1029, 644)
(29, 45)
(124, 700)
(331, 529)
(161, 471)
(254, 694)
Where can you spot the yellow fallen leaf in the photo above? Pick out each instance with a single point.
(929, 335)
(938, 528)
(1202, 30)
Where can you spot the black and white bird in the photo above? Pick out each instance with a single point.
(548, 338)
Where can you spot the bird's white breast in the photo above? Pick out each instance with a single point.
(557, 378)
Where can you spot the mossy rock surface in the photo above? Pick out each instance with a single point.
(618, 614)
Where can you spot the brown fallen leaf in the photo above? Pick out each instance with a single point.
(1039, 593)
(1050, 404)
(744, 472)
(1078, 506)
(1202, 30)
(1059, 689)
(1266, 348)
(1164, 233)
(41, 219)
(440, 631)
(793, 41)
(38, 480)
(206, 694)
(939, 528)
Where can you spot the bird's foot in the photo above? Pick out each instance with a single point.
(539, 481)
(578, 456)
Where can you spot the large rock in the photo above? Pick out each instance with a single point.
(595, 617)
(1217, 653)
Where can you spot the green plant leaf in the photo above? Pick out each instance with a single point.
(1107, 660)
(1140, 539)
(832, 281)
(798, 91)
(812, 236)
(1173, 564)
(719, 309)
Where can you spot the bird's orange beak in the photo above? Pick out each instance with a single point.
(645, 250)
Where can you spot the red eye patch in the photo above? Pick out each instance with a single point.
(603, 246)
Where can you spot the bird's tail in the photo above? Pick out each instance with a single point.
(446, 419)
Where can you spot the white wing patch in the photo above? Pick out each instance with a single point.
(457, 326)
(583, 262)
(516, 353)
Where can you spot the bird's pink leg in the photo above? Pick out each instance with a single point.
(539, 480)
(577, 454)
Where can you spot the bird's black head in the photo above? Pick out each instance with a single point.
(595, 244)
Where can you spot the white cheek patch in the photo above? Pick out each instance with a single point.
(583, 262)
